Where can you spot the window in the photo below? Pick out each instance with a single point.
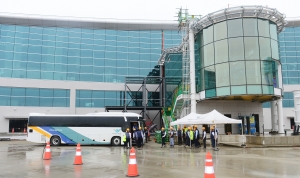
(236, 49)
(251, 48)
(235, 28)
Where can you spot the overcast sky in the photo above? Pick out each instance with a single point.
(137, 9)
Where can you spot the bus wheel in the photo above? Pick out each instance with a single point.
(55, 141)
(115, 141)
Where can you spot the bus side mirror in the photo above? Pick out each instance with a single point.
(30, 130)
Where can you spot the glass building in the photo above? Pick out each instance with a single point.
(57, 65)
(289, 48)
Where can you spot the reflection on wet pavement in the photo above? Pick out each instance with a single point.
(23, 159)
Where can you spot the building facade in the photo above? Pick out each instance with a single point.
(59, 65)
(289, 48)
(244, 58)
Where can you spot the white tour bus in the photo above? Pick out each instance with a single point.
(91, 129)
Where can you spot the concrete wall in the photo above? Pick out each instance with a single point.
(244, 108)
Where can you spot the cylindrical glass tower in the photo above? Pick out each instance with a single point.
(238, 59)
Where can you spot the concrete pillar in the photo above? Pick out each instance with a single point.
(297, 106)
(72, 101)
(280, 116)
(273, 115)
(279, 77)
(192, 69)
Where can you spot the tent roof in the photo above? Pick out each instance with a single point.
(186, 119)
(213, 117)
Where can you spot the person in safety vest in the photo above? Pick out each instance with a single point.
(196, 139)
(191, 137)
(187, 137)
(204, 137)
(184, 134)
(163, 137)
(126, 138)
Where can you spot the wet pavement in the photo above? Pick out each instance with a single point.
(24, 159)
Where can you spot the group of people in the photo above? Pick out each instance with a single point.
(139, 136)
(189, 136)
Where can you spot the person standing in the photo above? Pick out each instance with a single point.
(171, 137)
(204, 137)
(192, 133)
(179, 135)
(139, 138)
(146, 134)
(196, 139)
(127, 139)
(163, 137)
(187, 137)
(216, 135)
(184, 134)
(212, 137)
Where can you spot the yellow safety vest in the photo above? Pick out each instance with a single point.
(191, 135)
(124, 138)
(185, 130)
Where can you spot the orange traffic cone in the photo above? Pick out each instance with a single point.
(132, 165)
(47, 153)
(78, 157)
(209, 167)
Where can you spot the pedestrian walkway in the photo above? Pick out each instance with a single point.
(12, 136)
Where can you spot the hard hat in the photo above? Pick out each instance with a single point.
(127, 129)
(189, 128)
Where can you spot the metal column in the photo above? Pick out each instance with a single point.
(192, 69)
(280, 116)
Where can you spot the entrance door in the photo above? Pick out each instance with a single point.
(256, 118)
(18, 124)
(292, 121)
(228, 127)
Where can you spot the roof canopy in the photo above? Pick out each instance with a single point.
(213, 117)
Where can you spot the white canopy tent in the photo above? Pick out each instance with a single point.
(211, 118)
(187, 119)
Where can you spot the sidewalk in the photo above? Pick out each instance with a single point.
(12, 136)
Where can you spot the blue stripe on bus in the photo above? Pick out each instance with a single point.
(57, 131)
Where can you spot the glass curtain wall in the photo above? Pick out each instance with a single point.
(289, 42)
(237, 57)
(77, 54)
(13, 96)
(173, 76)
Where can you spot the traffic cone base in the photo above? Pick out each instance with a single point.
(47, 153)
(78, 157)
(209, 167)
(132, 165)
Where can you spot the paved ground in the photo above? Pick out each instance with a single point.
(24, 159)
